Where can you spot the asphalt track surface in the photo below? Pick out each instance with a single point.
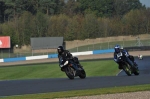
(22, 87)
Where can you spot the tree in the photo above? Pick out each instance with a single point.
(2, 11)
(101, 8)
(48, 6)
(74, 28)
(90, 27)
(136, 21)
(147, 27)
(13, 8)
(71, 8)
(40, 24)
(58, 25)
(25, 28)
(121, 7)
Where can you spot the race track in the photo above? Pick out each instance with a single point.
(21, 87)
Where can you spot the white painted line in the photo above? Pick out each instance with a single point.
(119, 72)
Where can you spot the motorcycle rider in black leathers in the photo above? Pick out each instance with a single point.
(65, 54)
(118, 50)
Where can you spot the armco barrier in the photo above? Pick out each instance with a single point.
(1, 60)
(103, 51)
(14, 59)
(55, 55)
(82, 53)
(52, 55)
(36, 57)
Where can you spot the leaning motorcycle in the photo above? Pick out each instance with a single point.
(71, 72)
(127, 65)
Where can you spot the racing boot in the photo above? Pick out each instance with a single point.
(119, 66)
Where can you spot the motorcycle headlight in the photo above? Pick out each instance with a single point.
(66, 63)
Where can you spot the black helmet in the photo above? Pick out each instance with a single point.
(60, 49)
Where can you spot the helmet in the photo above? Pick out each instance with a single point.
(117, 48)
(60, 49)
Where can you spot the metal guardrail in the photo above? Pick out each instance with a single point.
(138, 48)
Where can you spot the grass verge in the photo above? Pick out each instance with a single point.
(76, 93)
(52, 70)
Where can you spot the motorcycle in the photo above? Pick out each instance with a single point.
(127, 65)
(70, 71)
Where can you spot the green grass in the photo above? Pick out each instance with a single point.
(76, 93)
(52, 70)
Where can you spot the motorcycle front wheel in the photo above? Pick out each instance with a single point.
(127, 69)
(69, 72)
(82, 74)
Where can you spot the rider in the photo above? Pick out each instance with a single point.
(67, 55)
(118, 50)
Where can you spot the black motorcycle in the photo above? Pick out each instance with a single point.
(68, 67)
(128, 65)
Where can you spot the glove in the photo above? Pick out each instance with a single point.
(126, 53)
(115, 60)
(61, 66)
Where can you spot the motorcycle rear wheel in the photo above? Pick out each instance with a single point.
(136, 72)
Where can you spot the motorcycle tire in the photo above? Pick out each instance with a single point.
(82, 74)
(69, 72)
(127, 69)
(136, 72)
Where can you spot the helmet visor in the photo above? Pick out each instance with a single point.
(59, 50)
(117, 50)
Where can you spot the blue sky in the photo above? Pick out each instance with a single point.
(146, 2)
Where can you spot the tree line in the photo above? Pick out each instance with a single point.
(72, 19)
